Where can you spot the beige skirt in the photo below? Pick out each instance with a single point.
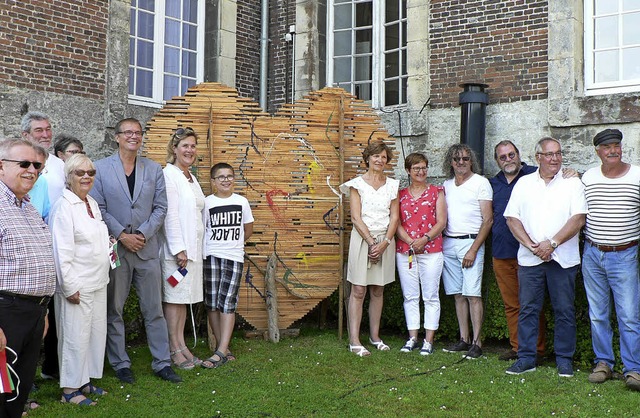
(363, 273)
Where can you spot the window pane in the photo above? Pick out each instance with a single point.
(404, 90)
(171, 87)
(391, 65)
(364, 16)
(189, 63)
(145, 25)
(189, 36)
(392, 40)
(363, 91)
(391, 12)
(631, 64)
(391, 92)
(132, 51)
(172, 8)
(190, 12)
(605, 6)
(131, 79)
(363, 68)
(606, 66)
(171, 60)
(629, 5)
(606, 32)
(404, 61)
(132, 25)
(363, 41)
(342, 43)
(631, 29)
(172, 32)
(144, 83)
(347, 87)
(342, 69)
(186, 83)
(342, 16)
(147, 5)
(144, 56)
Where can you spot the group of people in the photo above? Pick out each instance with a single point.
(534, 215)
(82, 233)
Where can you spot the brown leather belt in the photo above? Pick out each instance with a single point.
(613, 248)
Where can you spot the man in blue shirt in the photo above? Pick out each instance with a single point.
(504, 246)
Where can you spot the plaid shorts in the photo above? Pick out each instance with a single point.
(222, 280)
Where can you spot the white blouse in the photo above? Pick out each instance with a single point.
(376, 204)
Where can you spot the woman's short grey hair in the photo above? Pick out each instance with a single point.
(73, 163)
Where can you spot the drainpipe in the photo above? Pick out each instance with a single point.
(473, 101)
(264, 53)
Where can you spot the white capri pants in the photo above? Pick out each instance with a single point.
(424, 275)
(82, 337)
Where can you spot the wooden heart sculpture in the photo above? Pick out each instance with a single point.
(289, 167)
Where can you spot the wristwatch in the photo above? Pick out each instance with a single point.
(388, 240)
(554, 244)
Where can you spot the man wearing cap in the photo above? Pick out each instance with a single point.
(545, 213)
(610, 258)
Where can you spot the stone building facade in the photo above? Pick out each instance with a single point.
(72, 59)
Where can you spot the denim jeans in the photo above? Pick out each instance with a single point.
(561, 284)
(606, 274)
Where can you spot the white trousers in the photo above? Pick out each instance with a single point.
(82, 337)
(424, 275)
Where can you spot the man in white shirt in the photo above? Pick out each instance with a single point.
(469, 220)
(545, 214)
(610, 259)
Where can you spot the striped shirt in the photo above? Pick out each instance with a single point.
(26, 248)
(614, 207)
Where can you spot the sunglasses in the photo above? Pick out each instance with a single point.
(182, 131)
(81, 173)
(509, 156)
(26, 164)
(465, 159)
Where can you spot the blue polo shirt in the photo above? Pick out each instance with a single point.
(503, 244)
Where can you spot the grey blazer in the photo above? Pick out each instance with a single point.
(144, 212)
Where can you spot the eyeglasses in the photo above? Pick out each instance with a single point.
(182, 131)
(25, 164)
(509, 156)
(419, 169)
(81, 173)
(224, 178)
(550, 155)
(129, 134)
(465, 159)
(75, 151)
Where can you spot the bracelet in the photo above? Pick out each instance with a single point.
(388, 240)
(428, 237)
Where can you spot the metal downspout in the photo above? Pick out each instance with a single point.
(264, 53)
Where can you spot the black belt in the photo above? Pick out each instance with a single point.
(613, 248)
(38, 300)
(469, 236)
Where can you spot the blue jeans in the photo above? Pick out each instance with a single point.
(561, 284)
(606, 274)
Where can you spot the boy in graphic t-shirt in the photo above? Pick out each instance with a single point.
(228, 224)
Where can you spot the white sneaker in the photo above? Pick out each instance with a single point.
(427, 348)
(410, 345)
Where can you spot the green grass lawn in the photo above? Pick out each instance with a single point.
(315, 375)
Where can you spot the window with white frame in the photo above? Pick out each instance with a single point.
(166, 48)
(367, 49)
(612, 46)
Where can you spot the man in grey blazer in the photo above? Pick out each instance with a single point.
(130, 191)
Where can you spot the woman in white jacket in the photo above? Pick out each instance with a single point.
(183, 232)
(81, 249)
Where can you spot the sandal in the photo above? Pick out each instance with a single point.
(215, 363)
(230, 356)
(362, 352)
(195, 360)
(184, 365)
(380, 345)
(89, 389)
(30, 405)
(68, 398)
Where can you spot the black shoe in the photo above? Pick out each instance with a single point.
(508, 356)
(474, 352)
(125, 375)
(458, 347)
(169, 375)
